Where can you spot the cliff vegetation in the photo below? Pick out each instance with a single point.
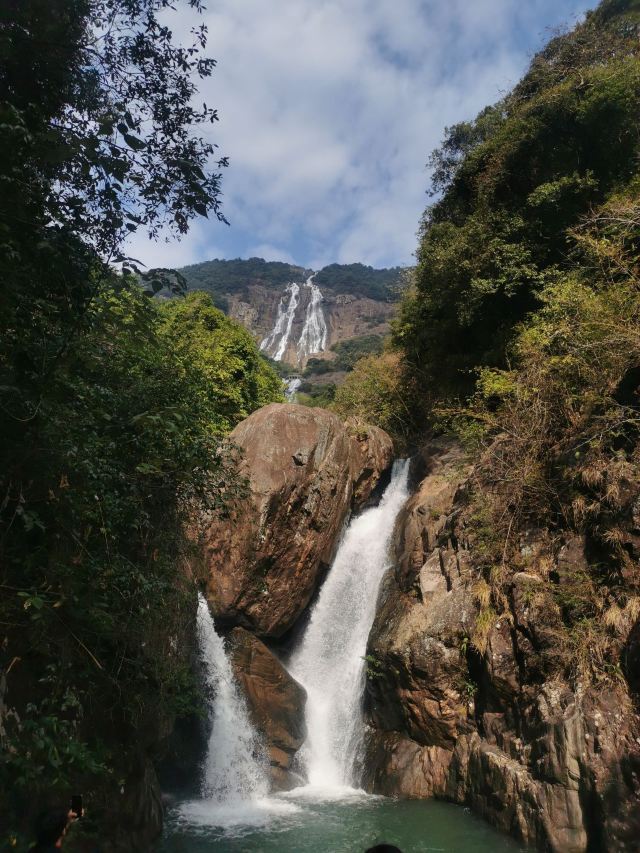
(520, 330)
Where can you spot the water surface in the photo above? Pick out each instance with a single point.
(305, 822)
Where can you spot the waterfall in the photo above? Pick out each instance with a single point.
(330, 661)
(313, 337)
(291, 388)
(275, 344)
(235, 766)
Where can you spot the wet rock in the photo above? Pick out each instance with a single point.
(422, 522)
(306, 471)
(276, 703)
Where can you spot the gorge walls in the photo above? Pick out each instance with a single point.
(458, 705)
(552, 760)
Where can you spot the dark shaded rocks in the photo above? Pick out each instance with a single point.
(397, 766)
(139, 813)
(276, 703)
(306, 471)
(554, 762)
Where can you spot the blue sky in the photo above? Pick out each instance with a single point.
(329, 109)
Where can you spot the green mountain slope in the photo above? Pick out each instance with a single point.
(220, 278)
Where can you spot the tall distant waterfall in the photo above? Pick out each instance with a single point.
(314, 332)
(313, 337)
(276, 341)
(329, 662)
(235, 767)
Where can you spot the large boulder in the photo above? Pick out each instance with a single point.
(276, 703)
(306, 472)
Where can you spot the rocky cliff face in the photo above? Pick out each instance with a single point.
(298, 313)
(346, 316)
(553, 761)
(306, 471)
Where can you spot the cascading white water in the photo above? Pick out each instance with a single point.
(291, 388)
(235, 766)
(330, 661)
(235, 781)
(313, 337)
(275, 344)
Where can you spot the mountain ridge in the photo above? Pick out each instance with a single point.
(275, 301)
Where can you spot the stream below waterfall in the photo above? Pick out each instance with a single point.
(235, 812)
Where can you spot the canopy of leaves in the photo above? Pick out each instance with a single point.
(385, 285)
(113, 406)
(513, 183)
(230, 277)
(97, 111)
(376, 392)
(238, 378)
(98, 487)
(350, 351)
(347, 354)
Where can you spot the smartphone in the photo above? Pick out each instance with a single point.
(76, 804)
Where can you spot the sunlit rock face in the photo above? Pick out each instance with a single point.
(306, 472)
(554, 762)
(295, 314)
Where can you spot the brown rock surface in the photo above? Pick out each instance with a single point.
(275, 700)
(556, 764)
(347, 316)
(306, 472)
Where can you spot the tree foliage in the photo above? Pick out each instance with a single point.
(513, 183)
(98, 111)
(113, 406)
(376, 392)
(220, 277)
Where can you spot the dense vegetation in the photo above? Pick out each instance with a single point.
(219, 277)
(234, 277)
(113, 407)
(316, 394)
(360, 280)
(347, 352)
(513, 184)
(376, 391)
(521, 329)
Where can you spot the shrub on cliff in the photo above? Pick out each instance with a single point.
(561, 428)
(523, 324)
(513, 183)
(376, 391)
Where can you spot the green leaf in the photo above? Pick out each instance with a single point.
(134, 142)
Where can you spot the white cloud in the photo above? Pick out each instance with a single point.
(271, 253)
(329, 109)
